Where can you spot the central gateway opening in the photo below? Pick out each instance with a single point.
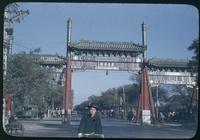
(84, 87)
(115, 56)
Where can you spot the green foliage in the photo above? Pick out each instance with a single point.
(195, 47)
(110, 98)
(181, 98)
(193, 64)
(82, 106)
(29, 85)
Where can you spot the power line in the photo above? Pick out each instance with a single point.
(22, 46)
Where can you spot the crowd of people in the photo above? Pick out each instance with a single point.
(119, 114)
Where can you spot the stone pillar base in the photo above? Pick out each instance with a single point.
(146, 117)
(66, 117)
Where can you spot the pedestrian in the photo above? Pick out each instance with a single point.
(162, 117)
(130, 116)
(90, 122)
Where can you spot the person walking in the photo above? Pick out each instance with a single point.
(130, 116)
(90, 123)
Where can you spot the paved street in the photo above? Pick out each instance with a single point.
(112, 128)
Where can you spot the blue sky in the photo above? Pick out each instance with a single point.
(170, 30)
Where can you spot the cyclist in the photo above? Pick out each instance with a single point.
(90, 123)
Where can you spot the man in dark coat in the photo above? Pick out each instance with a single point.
(130, 116)
(90, 123)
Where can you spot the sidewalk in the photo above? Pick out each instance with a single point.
(169, 124)
(177, 124)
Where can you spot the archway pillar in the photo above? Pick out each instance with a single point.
(145, 110)
(67, 97)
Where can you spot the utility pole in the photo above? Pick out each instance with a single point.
(115, 101)
(12, 14)
(124, 97)
(157, 101)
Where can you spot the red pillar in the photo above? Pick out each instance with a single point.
(145, 90)
(67, 100)
(145, 102)
(9, 105)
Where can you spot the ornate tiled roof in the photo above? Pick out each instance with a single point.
(50, 59)
(108, 46)
(159, 62)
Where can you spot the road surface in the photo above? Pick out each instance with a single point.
(112, 128)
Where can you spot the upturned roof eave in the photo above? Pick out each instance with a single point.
(107, 46)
